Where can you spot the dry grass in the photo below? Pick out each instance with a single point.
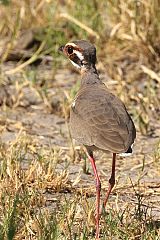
(44, 192)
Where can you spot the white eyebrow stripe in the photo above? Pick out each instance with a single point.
(79, 54)
(71, 44)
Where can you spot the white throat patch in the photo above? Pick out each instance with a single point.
(79, 55)
(74, 64)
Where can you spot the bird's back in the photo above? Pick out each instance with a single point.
(99, 119)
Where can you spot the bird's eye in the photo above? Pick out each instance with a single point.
(70, 50)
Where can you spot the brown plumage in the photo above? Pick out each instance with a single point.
(98, 119)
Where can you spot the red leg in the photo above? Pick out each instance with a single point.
(98, 190)
(111, 180)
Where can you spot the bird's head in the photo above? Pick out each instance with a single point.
(81, 53)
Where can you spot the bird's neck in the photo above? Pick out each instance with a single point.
(89, 75)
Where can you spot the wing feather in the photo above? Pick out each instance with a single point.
(99, 118)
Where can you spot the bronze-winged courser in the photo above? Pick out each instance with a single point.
(98, 119)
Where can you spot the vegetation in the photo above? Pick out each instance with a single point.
(46, 192)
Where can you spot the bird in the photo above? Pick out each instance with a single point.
(98, 119)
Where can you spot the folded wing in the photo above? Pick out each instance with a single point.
(99, 118)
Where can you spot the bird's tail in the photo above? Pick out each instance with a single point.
(127, 153)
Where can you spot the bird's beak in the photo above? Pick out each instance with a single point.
(60, 49)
